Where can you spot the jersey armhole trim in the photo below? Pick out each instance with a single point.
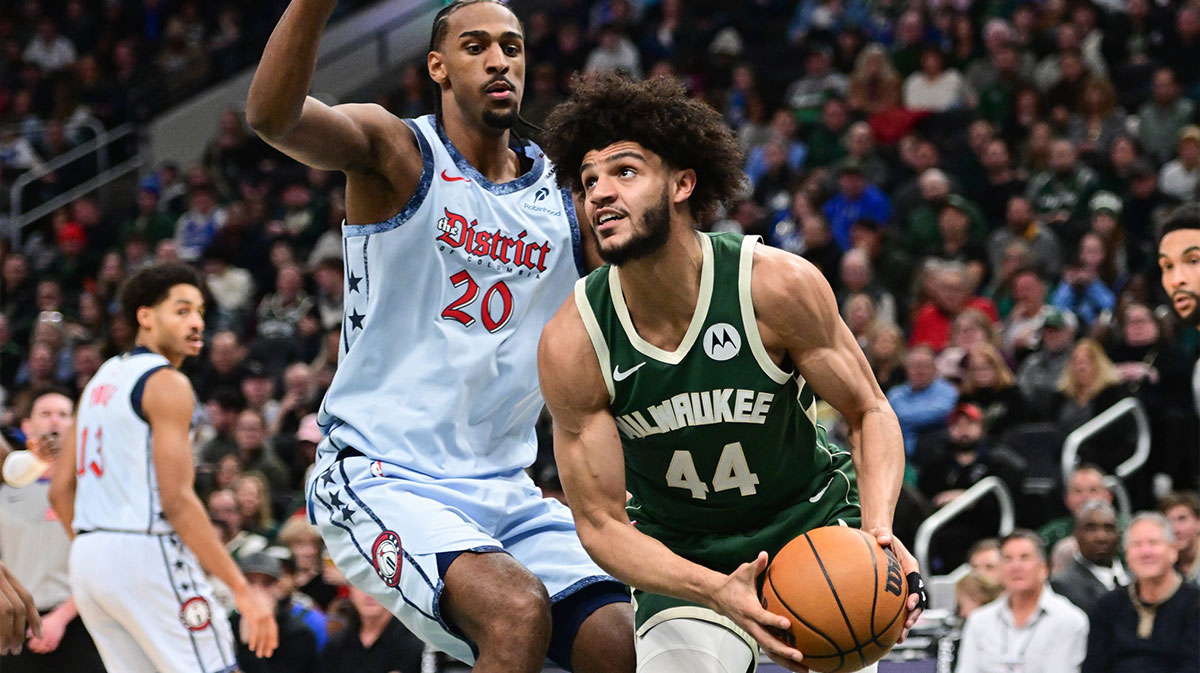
(414, 202)
(595, 335)
(749, 321)
(135, 395)
(576, 235)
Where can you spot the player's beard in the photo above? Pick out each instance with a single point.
(1192, 319)
(501, 119)
(645, 240)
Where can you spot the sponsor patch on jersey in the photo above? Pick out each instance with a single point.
(195, 613)
(385, 554)
(377, 468)
(722, 342)
(536, 203)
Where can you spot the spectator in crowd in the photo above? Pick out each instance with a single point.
(258, 390)
(1183, 512)
(373, 642)
(989, 384)
(1085, 483)
(1180, 176)
(924, 401)
(148, 220)
(984, 558)
(223, 509)
(254, 503)
(1095, 568)
(820, 82)
(1023, 318)
(614, 52)
(1029, 627)
(952, 293)
(215, 438)
(255, 451)
(297, 651)
(284, 317)
(1083, 289)
(935, 87)
(856, 199)
(950, 462)
(1164, 116)
(1021, 225)
(1041, 370)
(49, 50)
(307, 550)
(857, 276)
(1001, 182)
(885, 351)
(974, 590)
(1088, 386)
(970, 327)
(196, 228)
(232, 290)
(1061, 192)
(222, 369)
(1153, 625)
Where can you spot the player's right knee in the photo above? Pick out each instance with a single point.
(692, 646)
(517, 614)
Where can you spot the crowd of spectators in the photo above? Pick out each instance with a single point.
(979, 181)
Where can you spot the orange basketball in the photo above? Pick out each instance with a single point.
(844, 595)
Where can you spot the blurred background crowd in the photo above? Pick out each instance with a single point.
(980, 183)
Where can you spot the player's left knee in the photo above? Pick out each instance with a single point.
(593, 630)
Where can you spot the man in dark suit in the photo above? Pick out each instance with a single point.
(1095, 569)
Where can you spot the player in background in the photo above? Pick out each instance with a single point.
(123, 487)
(459, 247)
(1179, 260)
(700, 355)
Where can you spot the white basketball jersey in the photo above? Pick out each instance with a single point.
(444, 305)
(116, 483)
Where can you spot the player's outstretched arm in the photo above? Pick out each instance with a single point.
(798, 313)
(62, 482)
(168, 403)
(344, 137)
(591, 465)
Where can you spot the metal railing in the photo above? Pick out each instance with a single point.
(986, 486)
(97, 146)
(1129, 405)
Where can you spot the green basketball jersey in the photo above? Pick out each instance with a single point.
(721, 445)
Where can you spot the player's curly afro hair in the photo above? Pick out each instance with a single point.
(658, 115)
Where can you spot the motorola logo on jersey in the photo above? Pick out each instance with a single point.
(195, 614)
(491, 244)
(722, 342)
(385, 555)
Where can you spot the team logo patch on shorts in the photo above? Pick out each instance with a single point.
(195, 614)
(385, 554)
(377, 468)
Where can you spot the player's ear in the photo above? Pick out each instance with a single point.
(683, 184)
(436, 64)
(144, 314)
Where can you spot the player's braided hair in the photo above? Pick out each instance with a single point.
(658, 115)
(441, 24)
(151, 285)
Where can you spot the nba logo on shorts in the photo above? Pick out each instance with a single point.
(195, 614)
(385, 553)
(377, 468)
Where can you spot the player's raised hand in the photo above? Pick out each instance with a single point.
(912, 572)
(17, 611)
(737, 599)
(258, 628)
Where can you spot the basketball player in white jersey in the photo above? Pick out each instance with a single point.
(458, 247)
(124, 489)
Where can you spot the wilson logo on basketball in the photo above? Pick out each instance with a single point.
(385, 554)
(492, 244)
(895, 580)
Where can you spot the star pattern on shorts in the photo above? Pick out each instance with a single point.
(347, 513)
(327, 476)
(354, 281)
(179, 565)
(356, 319)
(334, 501)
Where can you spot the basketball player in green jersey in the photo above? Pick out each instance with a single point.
(686, 371)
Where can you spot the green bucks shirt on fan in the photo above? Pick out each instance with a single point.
(723, 453)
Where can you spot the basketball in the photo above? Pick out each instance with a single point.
(844, 595)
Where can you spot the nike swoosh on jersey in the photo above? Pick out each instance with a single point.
(449, 178)
(820, 493)
(619, 375)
